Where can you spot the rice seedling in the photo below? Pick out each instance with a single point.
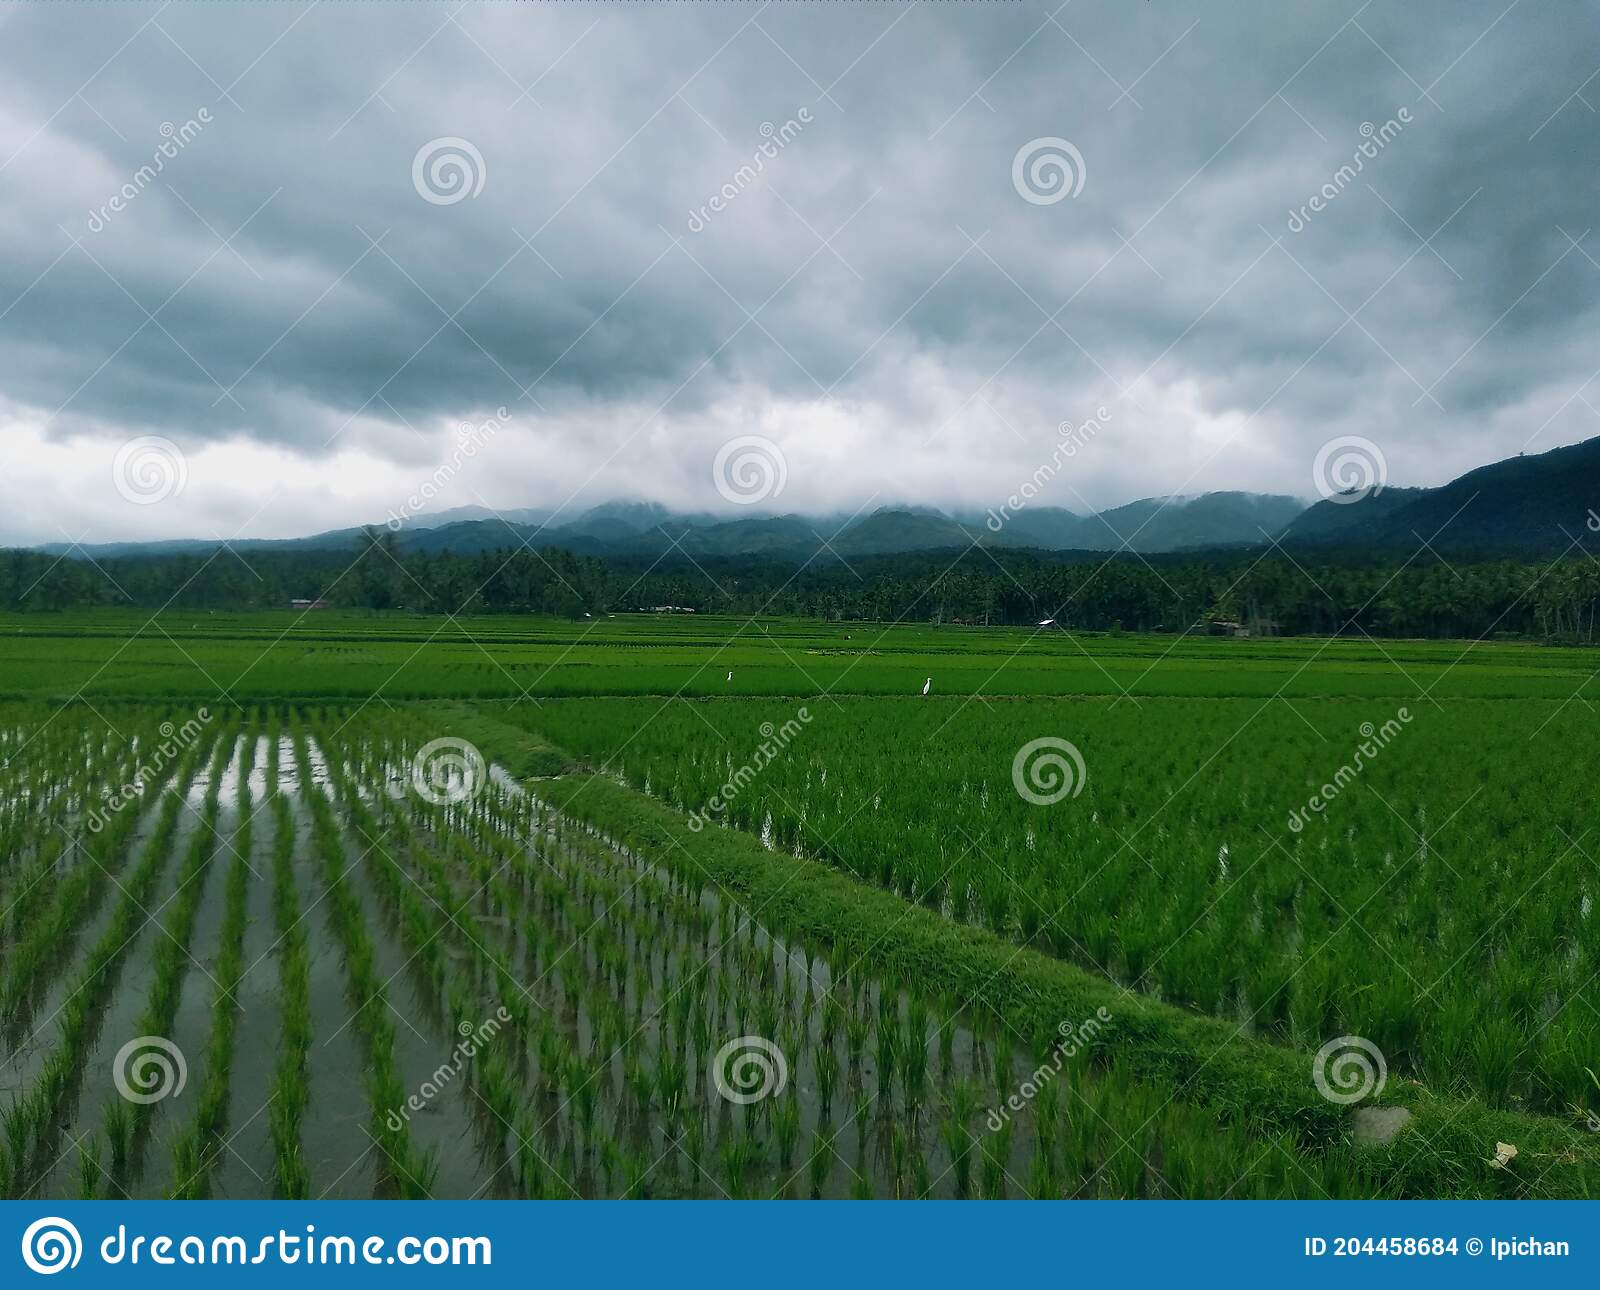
(197, 1149)
(819, 1164)
(617, 963)
(888, 783)
(90, 1171)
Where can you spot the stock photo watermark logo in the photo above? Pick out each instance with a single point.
(448, 170)
(1074, 1039)
(1048, 770)
(749, 1069)
(174, 139)
(1349, 1069)
(1070, 439)
(149, 1069)
(774, 740)
(1047, 170)
(473, 1040)
(51, 1245)
(1374, 139)
(174, 740)
(1348, 469)
(470, 440)
(448, 771)
(748, 469)
(149, 469)
(1374, 739)
(774, 139)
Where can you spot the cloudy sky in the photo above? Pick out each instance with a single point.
(289, 251)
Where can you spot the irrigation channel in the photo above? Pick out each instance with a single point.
(281, 969)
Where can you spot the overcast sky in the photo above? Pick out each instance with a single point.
(240, 229)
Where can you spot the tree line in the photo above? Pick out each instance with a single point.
(1280, 593)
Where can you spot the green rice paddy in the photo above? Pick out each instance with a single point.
(798, 931)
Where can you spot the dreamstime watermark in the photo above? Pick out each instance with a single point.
(473, 1041)
(749, 468)
(174, 741)
(470, 440)
(1047, 170)
(1047, 770)
(174, 139)
(51, 1245)
(774, 139)
(149, 1069)
(149, 469)
(749, 1069)
(1374, 739)
(1349, 1069)
(774, 739)
(447, 771)
(1374, 139)
(1349, 468)
(448, 170)
(1074, 1039)
(1071, 439)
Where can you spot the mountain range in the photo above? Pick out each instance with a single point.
(1524, 506)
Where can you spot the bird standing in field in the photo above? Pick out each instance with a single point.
(926, 686)
(730, 676)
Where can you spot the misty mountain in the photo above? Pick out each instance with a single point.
(1184, 523)
(633, 528)
(1524, 506)
(1348, 519)
(534, 515)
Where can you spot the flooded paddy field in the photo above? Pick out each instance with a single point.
(307, 955)
(291, 951)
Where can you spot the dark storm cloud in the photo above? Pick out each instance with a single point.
(919, 329)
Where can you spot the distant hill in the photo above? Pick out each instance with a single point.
(885, 532)
(1535, 505)
(630, 528)
(1049, 528)
(1348, 520)
(1184, 523)
(647, 529)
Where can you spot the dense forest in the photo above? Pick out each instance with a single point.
(1273, 593)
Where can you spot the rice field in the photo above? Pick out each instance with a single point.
(777, 941)
(1438, 902)
(330, 656)
(360, 993)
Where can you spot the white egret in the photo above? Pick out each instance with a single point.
(926, 686)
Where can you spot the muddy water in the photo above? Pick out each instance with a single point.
(423, 1037)
(191, 1023)
(864, 1122)
(333, 1131)
(245, 1170)
(659, 924)
(119, 1022)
